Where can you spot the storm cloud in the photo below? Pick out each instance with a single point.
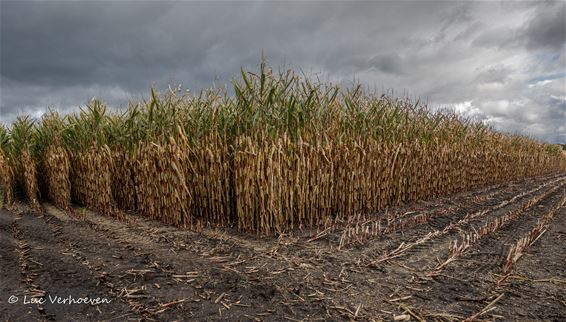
(499, 62)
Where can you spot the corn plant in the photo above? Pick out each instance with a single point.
(280, 152)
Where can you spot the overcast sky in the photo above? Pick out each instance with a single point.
(501, 62)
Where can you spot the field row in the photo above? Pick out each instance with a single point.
(159, 272)
(281, 154)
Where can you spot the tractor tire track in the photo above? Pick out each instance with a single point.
(466, 285)
(162, 276)
(13, 281)
(56, 274)
(423, 250)
(537, 290)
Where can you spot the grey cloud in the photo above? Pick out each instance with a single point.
(455, 16)
(63, 53)
(388, 63)
(547, 29)
(500, 37)
(494, 74)
(72, 43)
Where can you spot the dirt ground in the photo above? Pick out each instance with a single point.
(386, 266)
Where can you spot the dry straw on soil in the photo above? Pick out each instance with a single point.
(281, 153)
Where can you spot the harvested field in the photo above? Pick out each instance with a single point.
(417, 265)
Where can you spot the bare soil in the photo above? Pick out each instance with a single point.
(150, 271)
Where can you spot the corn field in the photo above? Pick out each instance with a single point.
(280, 152)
